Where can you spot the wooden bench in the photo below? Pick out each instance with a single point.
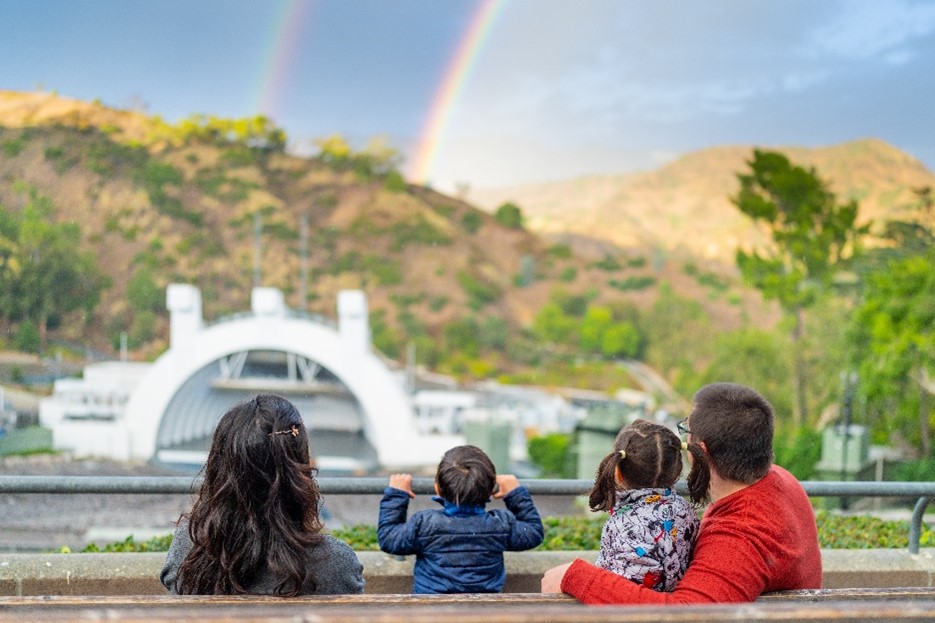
(894, 604)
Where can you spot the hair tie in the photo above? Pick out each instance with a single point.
(623, 454)
(293, 430)
(684, 445)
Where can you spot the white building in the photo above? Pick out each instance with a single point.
(357, 410)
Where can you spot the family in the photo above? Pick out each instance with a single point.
(255, 526)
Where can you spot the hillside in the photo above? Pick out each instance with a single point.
(157, 204)
(685, 205)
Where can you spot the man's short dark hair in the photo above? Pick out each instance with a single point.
(466, 476)
(736, 425)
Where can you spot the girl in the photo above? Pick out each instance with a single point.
(254, 527)
(649, 535)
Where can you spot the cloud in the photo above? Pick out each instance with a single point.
(875, 29)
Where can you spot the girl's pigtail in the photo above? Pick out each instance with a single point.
(699, 478)
(604, 493)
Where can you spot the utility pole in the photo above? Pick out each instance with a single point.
(257, 247)
(303, 261)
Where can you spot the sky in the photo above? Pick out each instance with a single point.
(490, 93)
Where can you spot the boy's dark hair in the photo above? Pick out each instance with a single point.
(466, 476)
(257, 509)
(653, 460)
(736, 425)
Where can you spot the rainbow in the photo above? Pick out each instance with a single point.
(455, 78)
(284, 33)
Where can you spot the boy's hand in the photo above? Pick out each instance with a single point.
(403, 482)
(505, 484)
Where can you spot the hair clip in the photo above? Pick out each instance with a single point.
(293, 430)
(623, 454)
(684, 445)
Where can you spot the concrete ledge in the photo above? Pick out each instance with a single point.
(138, 574)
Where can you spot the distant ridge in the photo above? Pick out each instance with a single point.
(685, 204)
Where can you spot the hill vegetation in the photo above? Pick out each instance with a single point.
(478, 294)
(555, 284)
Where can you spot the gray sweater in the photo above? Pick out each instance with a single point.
(332, 566)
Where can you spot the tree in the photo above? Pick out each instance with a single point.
(596, 322)
(553, 326)
(45, 273)
(896, 325)
(813, 237)
(509, 215)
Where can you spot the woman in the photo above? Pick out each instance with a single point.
(255, 527)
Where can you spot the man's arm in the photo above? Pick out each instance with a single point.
(726, 568)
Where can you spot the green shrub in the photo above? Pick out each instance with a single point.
(27, 338)
(416, 231)
(859, 532)
(104, 157)
(155, 544)
(361, 538)
(632, 283)
(493, 333)
(509, 215)
(395, 183)
(798, 450)
(569, 273)
(157, 174)
(713, 281)
(143, 293)
(13, 147)
(385, 338)
(461, 336)
(584, 533)
(552, 453)
(921, 470)
(608, 264)
(238, 156)
(479, 293)
(142, 329)
(559, 251)
(471, 221)
(54, 153)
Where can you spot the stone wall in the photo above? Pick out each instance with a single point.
(138, 574)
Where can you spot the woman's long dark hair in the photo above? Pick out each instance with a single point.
(257, 510)
(653, 460)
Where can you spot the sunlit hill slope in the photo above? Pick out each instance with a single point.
(184, 208)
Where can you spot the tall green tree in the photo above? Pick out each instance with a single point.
(895, 326)
(812, 238)
(893, 329)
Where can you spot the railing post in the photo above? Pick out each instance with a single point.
(915, 528)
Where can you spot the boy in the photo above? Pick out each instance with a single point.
(459, 549)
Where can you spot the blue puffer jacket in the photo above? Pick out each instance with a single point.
(458, 549)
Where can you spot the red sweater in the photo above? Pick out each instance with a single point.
(757, 540)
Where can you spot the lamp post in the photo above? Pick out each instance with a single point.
(847, 401)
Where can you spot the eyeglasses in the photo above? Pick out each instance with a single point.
(682, 426)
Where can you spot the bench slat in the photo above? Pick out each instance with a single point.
(264, 612)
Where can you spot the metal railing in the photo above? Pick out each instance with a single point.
(922, 491)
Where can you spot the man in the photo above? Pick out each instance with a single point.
(758, 534)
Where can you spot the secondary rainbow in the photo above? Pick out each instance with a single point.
(284, 35)
(446, 96)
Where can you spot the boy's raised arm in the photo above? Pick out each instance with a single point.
(394, 534)
(527, 532)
